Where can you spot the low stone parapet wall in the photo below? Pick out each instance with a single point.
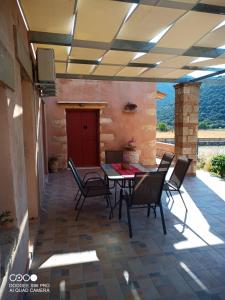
(161, 148)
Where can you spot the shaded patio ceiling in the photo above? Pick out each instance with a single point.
(141, 40)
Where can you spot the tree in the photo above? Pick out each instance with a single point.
(162, 126)
(203, 124)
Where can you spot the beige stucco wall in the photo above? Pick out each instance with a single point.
(18, 160)
(116, 126)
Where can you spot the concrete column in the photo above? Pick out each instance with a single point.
(186, 121)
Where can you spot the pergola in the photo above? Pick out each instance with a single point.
(141, 40)
(136, 40)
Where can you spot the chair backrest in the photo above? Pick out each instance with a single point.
(147, 188)
(165, 162)
(179, 172)
(75, 174)
(113, 156)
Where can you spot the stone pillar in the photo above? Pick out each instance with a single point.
(186, 121)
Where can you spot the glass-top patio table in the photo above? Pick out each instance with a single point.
(112, 174)
(119, 177)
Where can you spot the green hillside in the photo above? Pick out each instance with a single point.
(212, 104)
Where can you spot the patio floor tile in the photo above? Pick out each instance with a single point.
(96, 259)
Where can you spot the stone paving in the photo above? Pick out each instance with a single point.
(94, 258)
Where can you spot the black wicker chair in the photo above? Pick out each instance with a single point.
(177, 177)
(147, 191)
(163, 166)
(165, 162)
(91, 187)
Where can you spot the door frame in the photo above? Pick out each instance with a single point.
(97, 111)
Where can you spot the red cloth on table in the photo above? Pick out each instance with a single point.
(131, 171)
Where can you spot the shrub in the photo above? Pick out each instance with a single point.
(218, 165)
(207, 165)
(201, 162)
(162, 126)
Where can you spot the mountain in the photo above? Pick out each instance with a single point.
(212, 103)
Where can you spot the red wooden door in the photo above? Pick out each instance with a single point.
(83, 137)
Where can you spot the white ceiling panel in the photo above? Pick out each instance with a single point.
(49, 15)
(208, 63)
(176, 74)
(118, 57)
(184, 1)
(80, 68)
(131, 71)
(106, 70)
(214, 2)
(213, 39)
(156, 72)
(61, 52)
(99, 20)
(152, 58)
(60, 67)
(177, 62)
(189, 29)
(86, 53)
(148, 21)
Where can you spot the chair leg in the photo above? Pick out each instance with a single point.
(120, 204)
(149, 209)
(75, 198)
(170, 193)
(182, 200)
(154, 209)
(115, 193)
(111, 208)
(107, 201)
(78, 201)
(79, 210)
(129, 220)
(162, 218)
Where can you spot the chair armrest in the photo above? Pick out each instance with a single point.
(93, 172)
(170, 185)
(95, 179)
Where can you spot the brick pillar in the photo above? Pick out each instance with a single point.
(186, 121)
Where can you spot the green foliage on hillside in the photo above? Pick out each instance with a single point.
(212, 104)
(165, 107)
(161, 126)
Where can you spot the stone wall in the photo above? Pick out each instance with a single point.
(161, 148)
(186, 122)
(116, 126)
